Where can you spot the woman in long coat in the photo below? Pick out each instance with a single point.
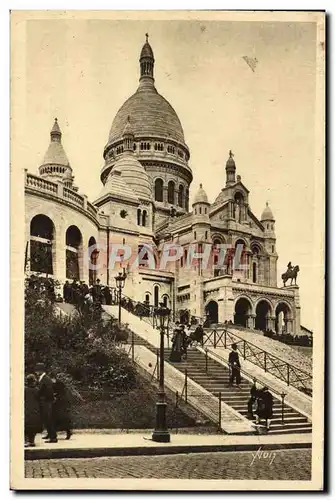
(62, 408)
(177, 345)
(32, 414)
(264, 407)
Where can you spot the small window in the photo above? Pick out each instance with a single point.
(206, 235)
(195, 235)
(273, 249)
(200, 210)
(195, 211)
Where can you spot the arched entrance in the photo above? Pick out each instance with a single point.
(283, 317)
(242, 312)
(262, 314)
(212, 312)
(73, 253)
(42, 236)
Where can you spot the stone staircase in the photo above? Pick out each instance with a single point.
(216, 380)
(213, 381)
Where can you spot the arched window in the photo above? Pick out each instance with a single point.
(139, 216)
(147, 298)
(41, 244)
(199, 210)
(144, 218)
(73, 252)
(171, 192)
(156, 295)
(181, 195)
(195, 235)
(158, 190)
(254, 272)
(215, 251)
(165, 299)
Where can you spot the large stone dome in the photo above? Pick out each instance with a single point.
(151, 116)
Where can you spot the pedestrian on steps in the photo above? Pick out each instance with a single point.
(234, 366)
(252, 403)
(264, 407)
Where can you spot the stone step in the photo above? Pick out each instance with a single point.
(289, 431)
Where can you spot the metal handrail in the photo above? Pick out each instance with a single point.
(257, 347)
(277, 363)
(255, 379)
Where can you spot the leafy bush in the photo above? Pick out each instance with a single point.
(81, 348)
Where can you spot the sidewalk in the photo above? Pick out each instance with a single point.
(87, 444)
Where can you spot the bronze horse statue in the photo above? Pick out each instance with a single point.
(291, 273)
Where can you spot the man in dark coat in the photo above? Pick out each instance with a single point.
(46, 399)
(32, 416)
(62, 408)
(235, 367)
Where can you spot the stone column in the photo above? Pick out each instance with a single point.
(59, 255)
(165, 194)
(272, 323)
(251, 321)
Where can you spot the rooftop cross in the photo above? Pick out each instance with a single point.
(231, 154)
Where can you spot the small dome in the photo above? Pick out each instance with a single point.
(230, 161)
(134, 175)
(146, 51)
(201, 196)
(267, 213)
(55, 154)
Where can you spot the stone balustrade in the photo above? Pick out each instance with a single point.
(74, 197)
(58, 190)
(35, 182)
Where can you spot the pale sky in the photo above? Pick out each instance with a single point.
(82, 72)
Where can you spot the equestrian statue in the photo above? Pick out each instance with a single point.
(292, 272)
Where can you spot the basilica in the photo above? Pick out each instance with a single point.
(144, 203)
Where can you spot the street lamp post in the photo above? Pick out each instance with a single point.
(120, 282)
(161, 433)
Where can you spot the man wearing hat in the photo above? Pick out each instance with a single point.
(46, 399)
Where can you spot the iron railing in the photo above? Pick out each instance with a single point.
(255, 380)
(290, 374)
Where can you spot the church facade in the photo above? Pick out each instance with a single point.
(143, 216)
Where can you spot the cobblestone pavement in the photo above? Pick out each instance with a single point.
(276, 465)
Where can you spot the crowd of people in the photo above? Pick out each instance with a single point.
(47, 406)
(182, 338)
(78, 293)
